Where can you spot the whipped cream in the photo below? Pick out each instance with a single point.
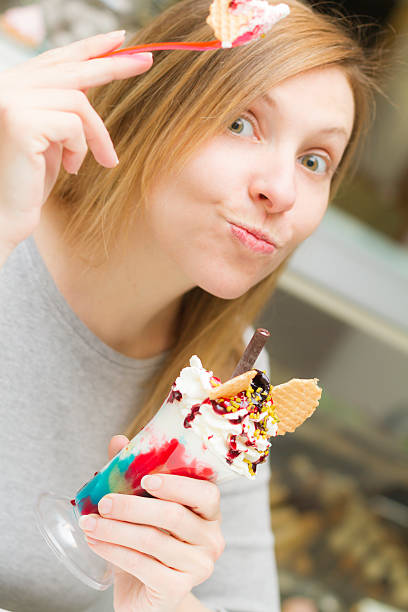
(237, 428)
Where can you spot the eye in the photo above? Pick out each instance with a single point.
(243, 126)
(315, 163)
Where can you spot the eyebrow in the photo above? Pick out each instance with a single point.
(335, 130)
(267, 99)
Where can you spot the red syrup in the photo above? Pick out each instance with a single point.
(238, 420)
(257, 462)
(170, 458)
(232, 441)
(248, 36)
(174, 395)
(88, 507)
(220, 407)
(190, 417)
(232, 454)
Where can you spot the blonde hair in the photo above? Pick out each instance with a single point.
(160, 118)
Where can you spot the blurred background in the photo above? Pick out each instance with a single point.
(339, 490)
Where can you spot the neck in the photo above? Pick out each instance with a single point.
(130, 301)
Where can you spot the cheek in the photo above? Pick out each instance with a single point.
(213, 170)
(309, 216)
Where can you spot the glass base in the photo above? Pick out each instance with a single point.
(57, 520)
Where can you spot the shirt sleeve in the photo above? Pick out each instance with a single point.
(245, 576)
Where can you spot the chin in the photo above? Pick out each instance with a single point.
(228, 290)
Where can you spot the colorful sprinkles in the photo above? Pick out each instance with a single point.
(255, 407)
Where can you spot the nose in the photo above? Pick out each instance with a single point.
(275, 189)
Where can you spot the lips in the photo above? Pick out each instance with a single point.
(258, 234)
(254, 239)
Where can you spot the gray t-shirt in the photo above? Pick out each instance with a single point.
(64, 393)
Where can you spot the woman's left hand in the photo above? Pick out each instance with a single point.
(161, 547)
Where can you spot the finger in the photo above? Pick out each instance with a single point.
(150, 541)
(153, 574)
(52, 127)
(201, 496)
(73, 101)
(66, 129)
(90, 73)
(174, 518)
(81, 50)
(116, 444)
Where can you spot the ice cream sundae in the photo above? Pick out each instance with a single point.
(207, 430)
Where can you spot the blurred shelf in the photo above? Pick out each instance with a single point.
(355, 274)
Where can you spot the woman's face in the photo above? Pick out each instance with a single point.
(248, 197)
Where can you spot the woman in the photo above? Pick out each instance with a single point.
(227, 161)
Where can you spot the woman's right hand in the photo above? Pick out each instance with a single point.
(46, 119)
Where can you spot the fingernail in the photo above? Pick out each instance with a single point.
(116, 158)
(116, 34)
(87, 522)
(151, 482)
(143, 58)
(105, 505)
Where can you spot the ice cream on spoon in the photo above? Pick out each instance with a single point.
(235, 23)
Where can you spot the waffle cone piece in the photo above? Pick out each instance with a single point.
(233, 386)
(294, 402)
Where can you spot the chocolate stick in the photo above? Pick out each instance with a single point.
(252, 351)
